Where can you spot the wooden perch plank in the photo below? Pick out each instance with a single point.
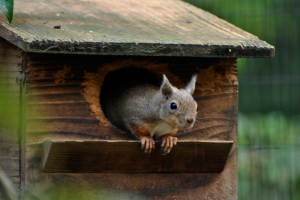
(127, 157)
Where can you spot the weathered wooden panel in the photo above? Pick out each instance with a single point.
(65, 105)
(129, 186)
(7, 80)
(40, 90)
(149, 28)
(59, 109)
(56, 97)
(8, 74)
(125, 157)
(50, 82)
(10, 67)
(76, 125)
(10, 61)
(53, 117)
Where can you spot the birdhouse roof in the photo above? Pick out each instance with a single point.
(127, 27)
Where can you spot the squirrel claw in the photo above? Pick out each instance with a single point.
(165, 152)
(147, 145)
(167, 144)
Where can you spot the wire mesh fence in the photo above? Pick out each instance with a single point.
(272, 83)
(269, 97)
(266, 85)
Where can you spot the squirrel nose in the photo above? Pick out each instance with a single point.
(190, 120)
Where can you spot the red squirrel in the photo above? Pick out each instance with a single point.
(149, 111)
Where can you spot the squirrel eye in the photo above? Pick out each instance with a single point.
(173, 106)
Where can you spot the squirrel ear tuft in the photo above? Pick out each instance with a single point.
(190, 88)
(166, 87)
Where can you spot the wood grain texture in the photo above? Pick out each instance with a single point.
(126, 157)
(58, 106)
(59, 118)
(148, 28)
(10, 61)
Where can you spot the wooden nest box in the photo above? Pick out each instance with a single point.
(63, 146)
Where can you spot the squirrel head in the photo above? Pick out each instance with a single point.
(178, 107)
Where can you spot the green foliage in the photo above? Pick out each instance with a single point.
(7, 7)
(266, 173)
(273, 130)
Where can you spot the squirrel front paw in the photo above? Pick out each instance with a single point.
(147, 144)
(167, 144)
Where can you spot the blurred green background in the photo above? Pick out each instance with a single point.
(269, 97)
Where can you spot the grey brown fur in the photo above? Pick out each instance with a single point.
(145, 111)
